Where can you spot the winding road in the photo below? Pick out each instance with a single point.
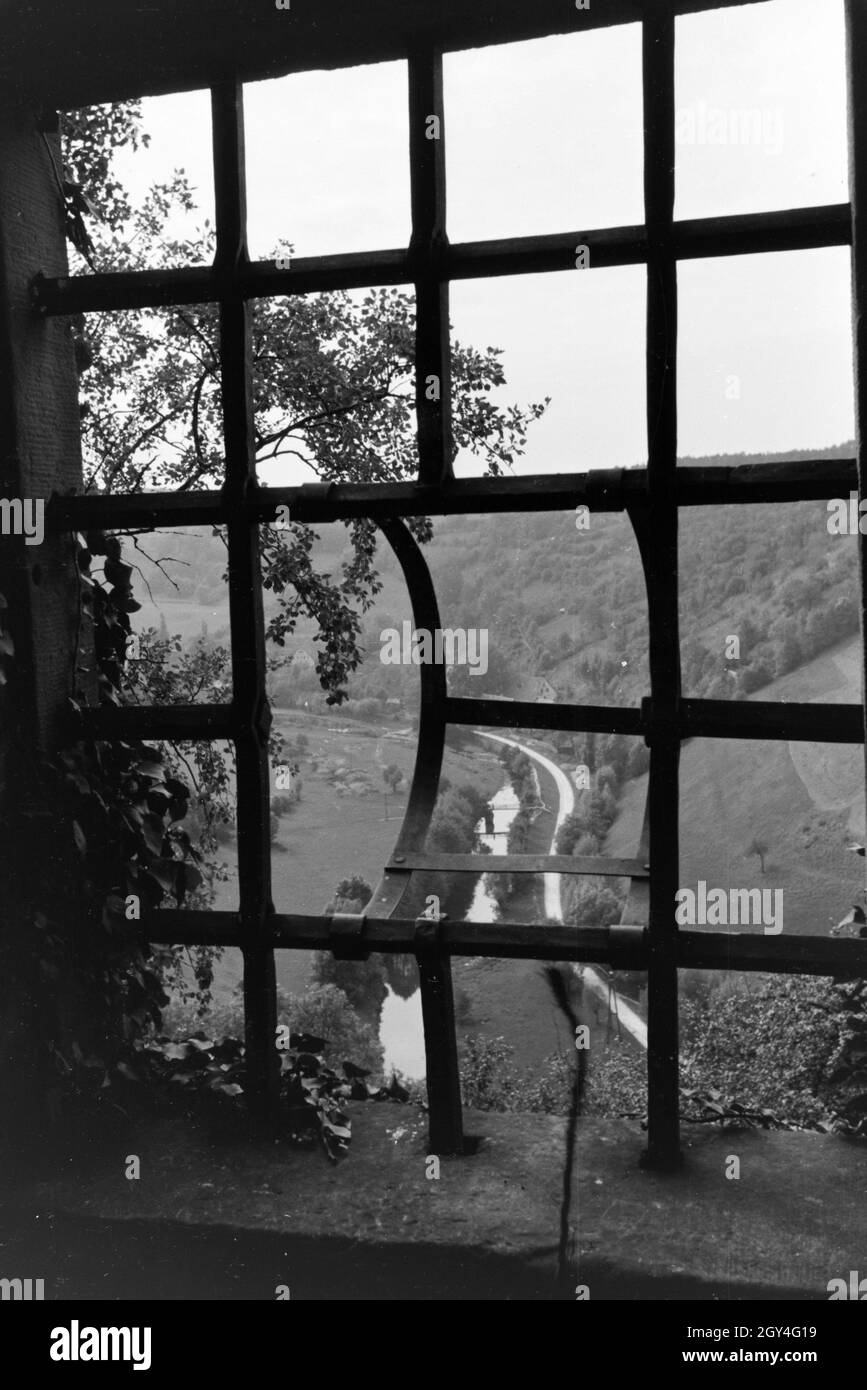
(591, 978)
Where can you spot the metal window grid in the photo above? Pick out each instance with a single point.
(651, 497)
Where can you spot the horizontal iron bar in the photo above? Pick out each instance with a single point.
(525, 714)
(164, 47)
(158, 721)
(796, 955)
(782, 480)
(750, 233)
(795, 229)
(601, 490)
(699, 719)
(521, 941)
(766, 719)
(520, 864)
(741, 234)
(144, 510)
(776, 955)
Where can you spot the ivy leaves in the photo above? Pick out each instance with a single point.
(76, 205)
(312, 1094)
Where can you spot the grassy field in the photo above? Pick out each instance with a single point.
(805, 799)
(332, 834)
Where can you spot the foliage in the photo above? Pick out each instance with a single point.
(326, 1009)
(333, 385)
(322, 1009)
(392, 776)
(362, 981)
(778, 1052)
(353, 889)
(167, 673)
(489, 1078)
(593, 901)
(312, 1093)
(458, 810)
(525, 784)
(115, 814)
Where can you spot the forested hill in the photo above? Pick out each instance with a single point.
(772, 576)
(570, 604)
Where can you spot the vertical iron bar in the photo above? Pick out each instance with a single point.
(250, 711)
(433, 389)
(658, 33)
(440, 1041)
(433, 400)
(856, 70)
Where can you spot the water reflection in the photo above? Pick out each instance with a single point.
(400, 1029)
(504, 808)
(401, 973)
(402, 1035)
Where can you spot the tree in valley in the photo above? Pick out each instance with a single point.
(333, 386)
(392, 776)
(759, 848)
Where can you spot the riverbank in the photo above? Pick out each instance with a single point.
(511, 998)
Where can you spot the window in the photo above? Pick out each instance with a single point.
(651, 497)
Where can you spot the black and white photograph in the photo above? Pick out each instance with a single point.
(433, 583)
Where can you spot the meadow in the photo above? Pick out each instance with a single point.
(804, 800)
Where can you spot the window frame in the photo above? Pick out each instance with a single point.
(651, 497)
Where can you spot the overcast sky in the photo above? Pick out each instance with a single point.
(546, 137)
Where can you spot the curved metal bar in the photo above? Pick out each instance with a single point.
(432, 722)
(636, 909)
(442, 1076)
(395, 881)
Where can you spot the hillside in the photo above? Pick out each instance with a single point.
(569, 604)
(806, 800)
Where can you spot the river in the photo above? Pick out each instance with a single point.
(401, 1032)
(400, 1029)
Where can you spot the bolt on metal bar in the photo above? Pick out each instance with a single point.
(697, 718)
(433, 387)
(844, 958)
(250, 712)
(602, 490)
(657, 535)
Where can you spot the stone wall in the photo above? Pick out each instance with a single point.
(39, 455)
